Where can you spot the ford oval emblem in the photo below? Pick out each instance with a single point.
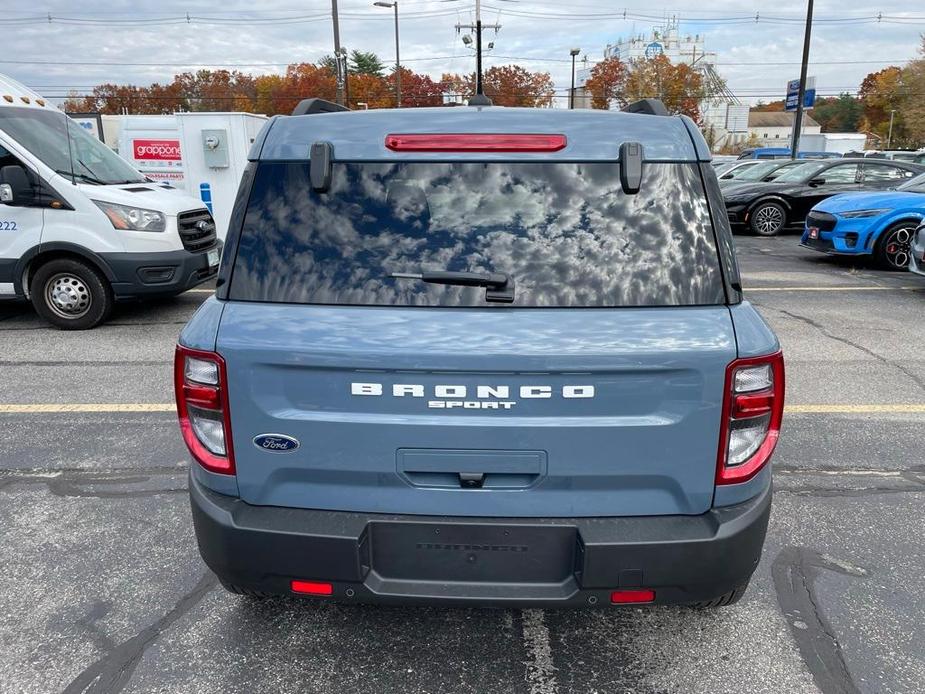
(276, 443)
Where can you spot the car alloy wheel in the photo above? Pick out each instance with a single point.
(896, 246)
(768, 219)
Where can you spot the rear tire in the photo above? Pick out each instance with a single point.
(767, 219)
(730, 598)
(245, 592)
(70, 294)
(894, 246)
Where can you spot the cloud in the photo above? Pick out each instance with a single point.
(430, 43)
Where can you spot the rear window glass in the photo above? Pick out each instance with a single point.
(565, 232)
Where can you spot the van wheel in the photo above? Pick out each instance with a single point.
(894, 245)
(730, 598)
(70, 294)
(768, 219)
(241, 590)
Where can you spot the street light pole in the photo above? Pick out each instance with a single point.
(571, 99)
(798, 120)
(889, 135)
(341, 72)
(394, 5)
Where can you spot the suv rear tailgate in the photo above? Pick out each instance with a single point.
(616, 412)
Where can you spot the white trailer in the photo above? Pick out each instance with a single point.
(202, 153)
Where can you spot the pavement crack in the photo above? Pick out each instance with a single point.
(795, 571)
(851, 343)
(111, 673)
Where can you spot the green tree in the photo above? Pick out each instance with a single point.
(365, 63)
(840, 114)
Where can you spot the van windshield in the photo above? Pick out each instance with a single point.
(65, 147)
(565, 233)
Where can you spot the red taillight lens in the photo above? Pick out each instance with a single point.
(312, 588)
(475, 142)
(202, 405)
(623, 597)
(753, 407)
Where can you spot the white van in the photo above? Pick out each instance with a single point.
(80, 228)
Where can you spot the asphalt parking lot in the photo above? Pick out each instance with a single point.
(102, 588)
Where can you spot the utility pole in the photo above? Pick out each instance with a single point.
(798, 119)
(479, 99)
(340, 60)
(571, 97)
(889, 135)
(394, 5)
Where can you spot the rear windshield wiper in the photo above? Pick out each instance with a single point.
(498, 286)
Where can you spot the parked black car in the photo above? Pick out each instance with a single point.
(768, 208)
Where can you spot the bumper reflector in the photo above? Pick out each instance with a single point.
(623, 597)
(311, 588)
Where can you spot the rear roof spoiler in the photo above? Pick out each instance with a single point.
(652, 107)
(308, 107)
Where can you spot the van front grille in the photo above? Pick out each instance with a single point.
(197, 229)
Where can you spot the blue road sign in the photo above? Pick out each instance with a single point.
(793, 94)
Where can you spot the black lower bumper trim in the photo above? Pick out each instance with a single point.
(480, 561)
(159, 274)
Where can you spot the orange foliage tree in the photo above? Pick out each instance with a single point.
(679, 86)
(607, 84)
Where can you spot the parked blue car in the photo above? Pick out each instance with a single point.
(879, 224)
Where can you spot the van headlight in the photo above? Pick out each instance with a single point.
(132, 218)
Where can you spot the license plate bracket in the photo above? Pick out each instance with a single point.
(213, 257)
(477, 552)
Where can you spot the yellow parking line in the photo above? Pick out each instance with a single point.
(102, 408)
(847, 288)
(855, 409)
(55, 408)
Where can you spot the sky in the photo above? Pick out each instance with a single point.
(95, 41)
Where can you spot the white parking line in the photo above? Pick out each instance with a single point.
(541, 676)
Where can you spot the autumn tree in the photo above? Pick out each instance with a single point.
(607, 84)
(679, 87)
(418, 90)
(508, 85)
(912, 108)
(303, 81)
(772, 106)
(880, 94)
(113, 99)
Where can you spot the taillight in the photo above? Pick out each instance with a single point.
(753, 407)
(475, 142)
(202, 405)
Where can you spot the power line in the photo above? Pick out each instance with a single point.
(534, 59)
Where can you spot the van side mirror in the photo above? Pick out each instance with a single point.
(15, 186)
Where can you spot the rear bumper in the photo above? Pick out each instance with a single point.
(480, 561)
(159, 274)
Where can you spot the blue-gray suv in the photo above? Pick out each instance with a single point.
(480, 356)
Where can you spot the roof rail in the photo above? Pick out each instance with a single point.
(652, 107)
(308, 107)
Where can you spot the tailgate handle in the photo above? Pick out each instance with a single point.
(471, 480)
